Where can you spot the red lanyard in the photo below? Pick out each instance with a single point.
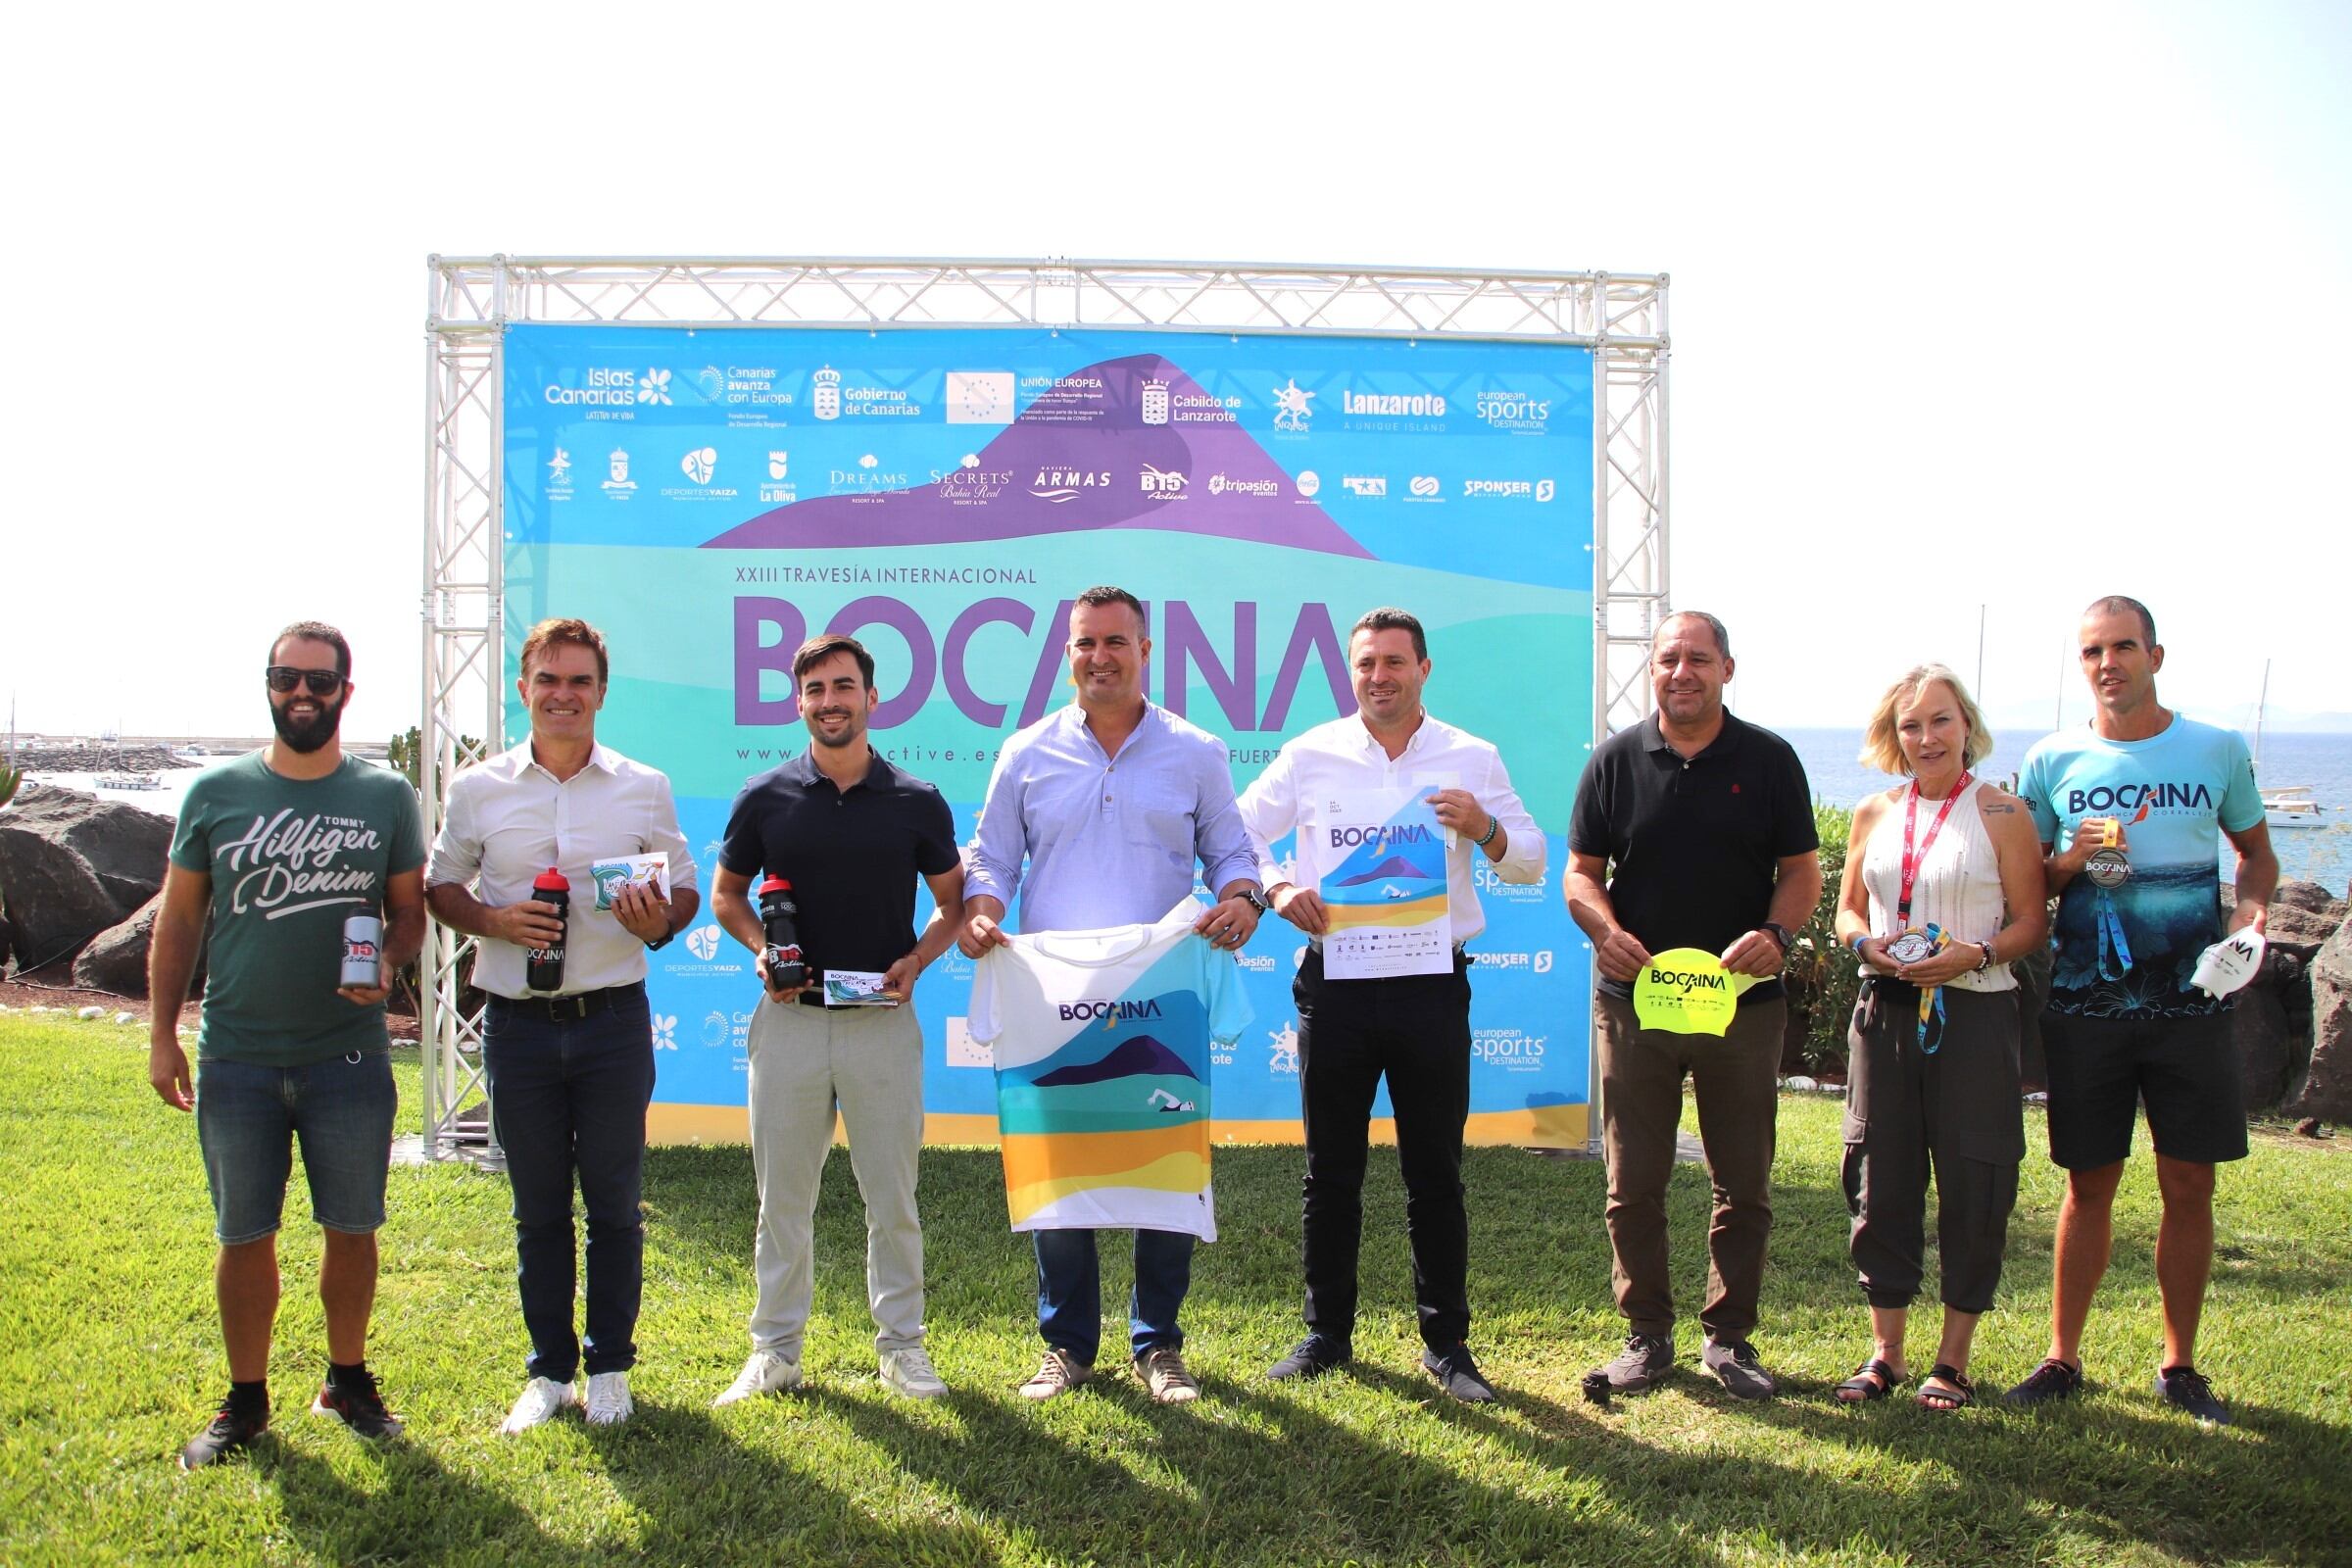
(1912, 862)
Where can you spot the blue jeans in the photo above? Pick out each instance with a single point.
(1069, 1291)
(247, 1116)
(569, 1097)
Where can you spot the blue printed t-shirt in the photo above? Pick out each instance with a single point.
(291, 860)
(2171, 791)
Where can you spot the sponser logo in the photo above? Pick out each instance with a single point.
(1390, 833)
(2135, 797)
(1072, 1011)
(1686, 982)
(1420, 405)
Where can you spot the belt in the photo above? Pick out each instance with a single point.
(568, 1008)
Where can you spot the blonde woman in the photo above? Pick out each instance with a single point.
(1943, 890)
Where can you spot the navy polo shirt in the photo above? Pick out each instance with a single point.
(1695, 843)
(851, 856)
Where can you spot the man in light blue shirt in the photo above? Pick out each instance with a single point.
(1111, 802)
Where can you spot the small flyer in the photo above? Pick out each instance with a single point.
(856, 988)
(611, 876)
(1385, 889)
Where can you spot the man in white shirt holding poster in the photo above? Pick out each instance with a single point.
(1363, 793)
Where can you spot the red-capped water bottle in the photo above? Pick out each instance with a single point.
(786, 973)
(543, 968)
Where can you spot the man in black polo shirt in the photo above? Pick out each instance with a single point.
(851, 833)
(1708, 824)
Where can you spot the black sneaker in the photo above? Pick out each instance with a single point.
(2052, 1380)
(230, 1432)
(1315, 1355)
(360, 1408)
(1459, 1375)
(1640, 1366)
(2184, 1389)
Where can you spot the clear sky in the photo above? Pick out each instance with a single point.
(2008, 305)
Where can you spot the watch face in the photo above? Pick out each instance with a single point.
(2108, 868)
(1910, 947)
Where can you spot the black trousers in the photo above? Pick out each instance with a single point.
(1956, 1108)
(1416, 1030)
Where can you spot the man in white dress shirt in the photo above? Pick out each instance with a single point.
(1415, 1028)
(572, 1071)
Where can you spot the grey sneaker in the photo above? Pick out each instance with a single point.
(1735, 1366)
(1640, 1366)
(764, 1372)
(1056, 1375)
(1459, 1375)
(909, 1372)
(1314, 1356)
(1162, 1368)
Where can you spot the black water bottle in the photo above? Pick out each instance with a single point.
(786, 973)
(543, 968)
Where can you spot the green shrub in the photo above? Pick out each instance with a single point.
(1821, 977)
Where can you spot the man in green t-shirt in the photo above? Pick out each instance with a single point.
(278, 850)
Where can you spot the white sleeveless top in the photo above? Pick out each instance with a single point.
(1958, 885)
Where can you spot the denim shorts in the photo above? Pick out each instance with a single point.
(247, 1116)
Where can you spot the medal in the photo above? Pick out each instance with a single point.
(1911, 946)
(2107, 868)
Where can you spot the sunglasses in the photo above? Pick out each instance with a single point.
(284, 678)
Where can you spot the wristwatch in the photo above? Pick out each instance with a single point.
(1783, 935)
(1255, 897)
(667, 937)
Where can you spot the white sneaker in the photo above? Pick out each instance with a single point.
(765, 1373)
(541, 1398)
(608, 1402)
(909, 1372)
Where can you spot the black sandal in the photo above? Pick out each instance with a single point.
(1943, 1401)
(1874, 1379)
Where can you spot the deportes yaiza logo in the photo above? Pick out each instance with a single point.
(703, 942)
(700, 463)
(1366, 486)
(1291, 412)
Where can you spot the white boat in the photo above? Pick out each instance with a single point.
(126, 781)
(2282, 804)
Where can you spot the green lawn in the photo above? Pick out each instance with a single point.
(110, 1358)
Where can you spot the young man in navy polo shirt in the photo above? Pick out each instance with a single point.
(851, 833)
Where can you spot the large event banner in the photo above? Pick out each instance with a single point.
(710, 498)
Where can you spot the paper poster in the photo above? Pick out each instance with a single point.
(1686, 992)
(1385, 897)
(623, 871)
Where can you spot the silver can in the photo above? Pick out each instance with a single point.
(363, 951)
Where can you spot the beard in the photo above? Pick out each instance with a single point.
(306, 735)
(854, 734)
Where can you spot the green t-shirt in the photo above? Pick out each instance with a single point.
(291, 860)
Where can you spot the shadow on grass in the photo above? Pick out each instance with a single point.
(421, 1511)
(708, 1497)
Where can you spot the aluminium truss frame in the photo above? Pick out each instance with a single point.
(470, 301)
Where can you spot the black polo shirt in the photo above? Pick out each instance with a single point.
(851, 856)
(1695, 843)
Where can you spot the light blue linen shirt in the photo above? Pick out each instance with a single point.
(1108, 841)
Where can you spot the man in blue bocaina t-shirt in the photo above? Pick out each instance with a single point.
(2127, 810)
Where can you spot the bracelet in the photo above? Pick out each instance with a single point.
(1493, 826)
(1986, 962)
(1856, 942)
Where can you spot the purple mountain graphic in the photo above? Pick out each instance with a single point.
(1394, 865)
(1075, 462)
(1138, 1056)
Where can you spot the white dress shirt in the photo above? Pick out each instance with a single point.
(1343, 754)
(508, 820)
